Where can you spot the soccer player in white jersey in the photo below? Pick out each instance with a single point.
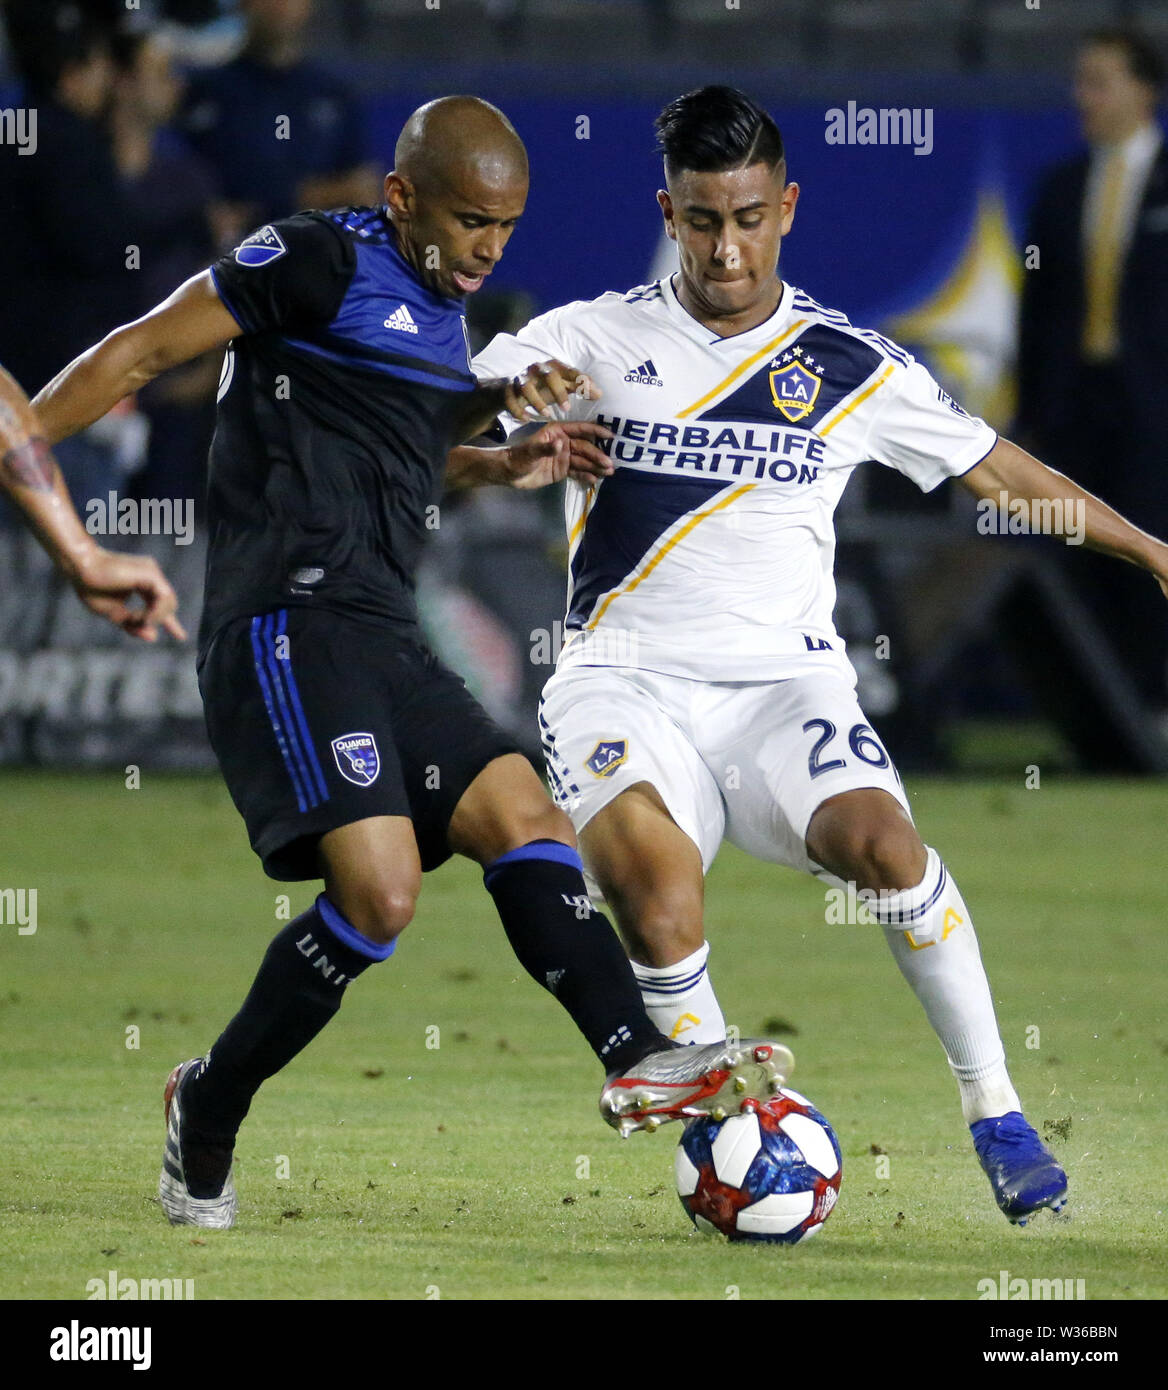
(703, 691)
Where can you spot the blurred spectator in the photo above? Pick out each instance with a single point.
(173, 193)
(172, 189)
(281, 133)
(65, 222)
(205, 32)
(67, 273)
(1093, 353)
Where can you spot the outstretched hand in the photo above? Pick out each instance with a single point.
(544, 386)
(107, 583)
(566, 449)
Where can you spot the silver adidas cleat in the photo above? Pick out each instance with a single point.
(715, 1079)
(216, 1213)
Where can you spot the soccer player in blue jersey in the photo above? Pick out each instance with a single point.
(352, 754)
(703, 691)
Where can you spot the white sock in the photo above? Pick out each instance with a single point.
(930, 933)
(680, 999)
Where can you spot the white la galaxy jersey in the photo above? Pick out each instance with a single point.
(709, 551)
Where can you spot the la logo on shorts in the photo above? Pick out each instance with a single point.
(357, 759)
(607, 756)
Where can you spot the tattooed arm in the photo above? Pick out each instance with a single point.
(105, 582)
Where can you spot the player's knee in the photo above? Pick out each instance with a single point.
(539, 821)
(876, 851)
(894, 857)
(380, 911)
(390, 914)
(514, 816)
(659, 943)
(663, 928)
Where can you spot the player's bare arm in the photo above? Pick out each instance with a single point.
(192, 321)
(1009, 470)
(535, 456)
(105, 582)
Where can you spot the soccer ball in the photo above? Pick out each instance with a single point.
(771, 1173)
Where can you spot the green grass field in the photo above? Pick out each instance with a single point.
(379, 1167)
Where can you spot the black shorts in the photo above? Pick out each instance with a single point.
(319, 720)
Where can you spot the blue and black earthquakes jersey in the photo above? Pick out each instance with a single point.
(337, 407)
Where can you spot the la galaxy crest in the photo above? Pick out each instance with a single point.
(357, 758)
(607, 756)
(794, 390)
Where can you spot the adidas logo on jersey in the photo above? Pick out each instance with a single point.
(645, 374)
(401, 320)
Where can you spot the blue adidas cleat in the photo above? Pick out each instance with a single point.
(1023, 1173)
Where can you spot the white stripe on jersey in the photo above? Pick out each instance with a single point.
(833, 316)
(708, 553)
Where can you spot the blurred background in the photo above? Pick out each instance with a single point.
(1023, 255)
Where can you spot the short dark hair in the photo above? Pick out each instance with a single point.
(1144, 62)
(717, 128)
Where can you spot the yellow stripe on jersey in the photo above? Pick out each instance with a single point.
(578, 530)
(823, 429)
(744, 367)
(667, 547)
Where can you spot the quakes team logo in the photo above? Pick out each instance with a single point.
(607, 756)
(260, 248)
(794, 390)
(357, 759)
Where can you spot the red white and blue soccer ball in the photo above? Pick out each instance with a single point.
(771, 1173)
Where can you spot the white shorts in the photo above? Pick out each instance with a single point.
(748, 761)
